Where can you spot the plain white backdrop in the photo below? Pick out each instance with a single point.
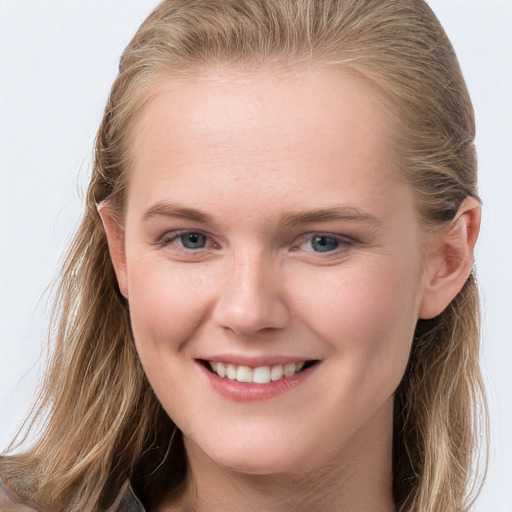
(58, 59)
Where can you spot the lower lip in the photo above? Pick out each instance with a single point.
(248, 392)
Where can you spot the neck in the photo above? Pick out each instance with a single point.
(357, 478)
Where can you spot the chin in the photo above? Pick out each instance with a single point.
(253, 458)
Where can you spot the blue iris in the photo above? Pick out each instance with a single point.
(324, 243)
(193, 240)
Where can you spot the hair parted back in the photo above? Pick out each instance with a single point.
(95, 390)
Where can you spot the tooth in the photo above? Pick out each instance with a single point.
(221, 370)
(261, 375)
(289, 369)
(277, 372)
(231, 372)
(244, 374)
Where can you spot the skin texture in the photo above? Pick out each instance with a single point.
(253, 157)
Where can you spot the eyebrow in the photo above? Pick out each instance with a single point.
(286, 220)
(343, 213)
(167, 209)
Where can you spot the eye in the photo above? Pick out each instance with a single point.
(320, 243)
(182, 240)
(193, 240)
(324, 243)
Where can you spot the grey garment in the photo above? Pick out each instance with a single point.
(126, 501)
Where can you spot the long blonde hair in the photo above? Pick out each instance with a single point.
(95, 390)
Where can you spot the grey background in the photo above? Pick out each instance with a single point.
(58, 59)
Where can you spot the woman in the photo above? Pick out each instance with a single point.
(270, 302)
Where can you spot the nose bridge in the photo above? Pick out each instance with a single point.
(250, 299)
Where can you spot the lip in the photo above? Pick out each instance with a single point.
(250, 392)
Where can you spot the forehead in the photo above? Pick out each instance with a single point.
(315, 129)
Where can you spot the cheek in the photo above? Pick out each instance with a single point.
(368, 316)
(166, 304)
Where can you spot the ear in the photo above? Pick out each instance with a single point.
(115, 239)
(450, 259)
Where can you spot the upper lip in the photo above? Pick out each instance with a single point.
(256, 361)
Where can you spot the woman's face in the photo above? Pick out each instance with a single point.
(268, 234)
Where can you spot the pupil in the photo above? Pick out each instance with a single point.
(193, 241)
(324, 243)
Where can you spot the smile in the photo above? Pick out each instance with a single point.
(258, 375)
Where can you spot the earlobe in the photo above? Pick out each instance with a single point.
(115, 239)
(450, 259)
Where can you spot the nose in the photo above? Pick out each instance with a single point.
(250, 299)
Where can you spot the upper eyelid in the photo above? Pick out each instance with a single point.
(313, 234)
(176, 233)
(326, 234)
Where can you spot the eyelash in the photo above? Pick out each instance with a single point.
(168, 238)
(343, 242)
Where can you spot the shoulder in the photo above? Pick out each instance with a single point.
(9, 502)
